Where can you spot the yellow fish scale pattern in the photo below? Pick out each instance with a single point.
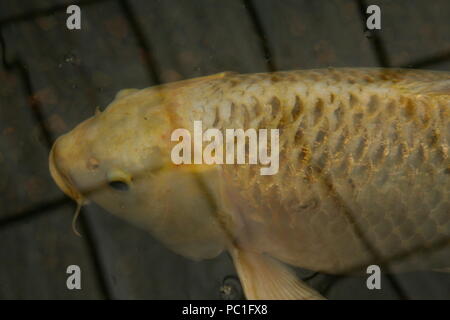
(364, 170)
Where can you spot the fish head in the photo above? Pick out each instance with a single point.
(120, 159)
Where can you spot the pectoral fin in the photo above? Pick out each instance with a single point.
(264, 278)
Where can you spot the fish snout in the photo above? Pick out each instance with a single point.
(61, 179)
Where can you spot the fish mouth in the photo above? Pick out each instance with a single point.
(61, 180)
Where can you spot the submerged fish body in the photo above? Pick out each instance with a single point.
(364, 172)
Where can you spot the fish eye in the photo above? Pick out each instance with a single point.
(119, 180)
(119, 185)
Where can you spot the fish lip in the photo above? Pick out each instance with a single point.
(61, 180)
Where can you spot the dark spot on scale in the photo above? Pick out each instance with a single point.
(318, 110)
(352, 100)
(275, 104)
(275, 79)
(332, 97)
(233, 83)
(298, 108)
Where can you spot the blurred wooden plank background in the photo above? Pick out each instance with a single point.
(135, 43)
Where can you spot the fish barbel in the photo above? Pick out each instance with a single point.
(364, 172)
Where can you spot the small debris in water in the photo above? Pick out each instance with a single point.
(231, 289)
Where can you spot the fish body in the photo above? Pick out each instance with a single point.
(364, 172)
